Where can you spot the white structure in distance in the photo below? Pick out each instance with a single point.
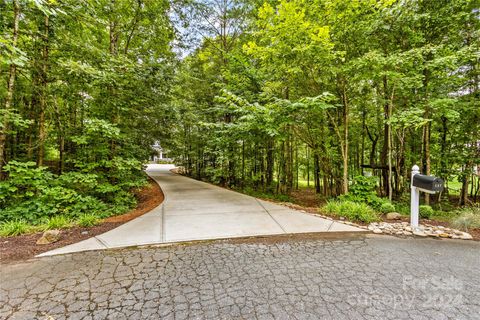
(159, 153)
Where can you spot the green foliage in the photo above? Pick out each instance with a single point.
(56, 222)
(25, 181)
(363, 191)
(387, 208)
(353, 211)
(467, 218)
(91, 116)
(310, 79)
(402, 208)
(34, 194)
(13, 228)
(87, 220)
(266, 91)
(363, 186)
(426, 211)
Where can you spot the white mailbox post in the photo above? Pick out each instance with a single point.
(415, 200)
(420, 182)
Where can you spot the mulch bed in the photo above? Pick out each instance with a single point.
(307, 198)
(24, 247)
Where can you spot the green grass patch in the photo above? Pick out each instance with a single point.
(353, 211)
(87, 220)
(467, 218)
(57, 222)
(14, 228)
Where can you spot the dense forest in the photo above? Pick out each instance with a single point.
(85, 91)
(270, 96)
(284, 92)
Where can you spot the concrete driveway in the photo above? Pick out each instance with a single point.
(195, 210)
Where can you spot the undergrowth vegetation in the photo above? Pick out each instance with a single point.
(33, 196)
(467, 218)
(13, 228)
(363, 191)
(87, 220)
(387, 208)
(361, 203)
(353, 211)
(425, 211)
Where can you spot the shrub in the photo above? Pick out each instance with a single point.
(363, 186)
(387, 208)
(87, 220)
(13, 228)
(402, 208)
(363, 191)
(467, 219)
(425, 211)
(351, 210)
(57, 222)
(102, 188)
(88, 204)
(25, 180)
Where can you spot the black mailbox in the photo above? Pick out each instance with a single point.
(427, 183)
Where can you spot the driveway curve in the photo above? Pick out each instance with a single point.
(195, 210)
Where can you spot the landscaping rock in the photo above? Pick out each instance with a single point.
(49, 236)
(394, 216)
(427, 230)
(466, 236)
(419, 233)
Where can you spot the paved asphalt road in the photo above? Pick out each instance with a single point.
(301, 278)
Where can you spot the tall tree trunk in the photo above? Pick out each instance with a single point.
(345, 138)
(296, 166)
(61, 138)
(426, 128)
(386, 140)
(389, 147)
(362, 155)
(113, 30)
(10, 88)
(465, 181)
(308, 166)
(289, 161)
(243, 163)
(43, 97)
(443, 151)
(316, 171)
(427, 156)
